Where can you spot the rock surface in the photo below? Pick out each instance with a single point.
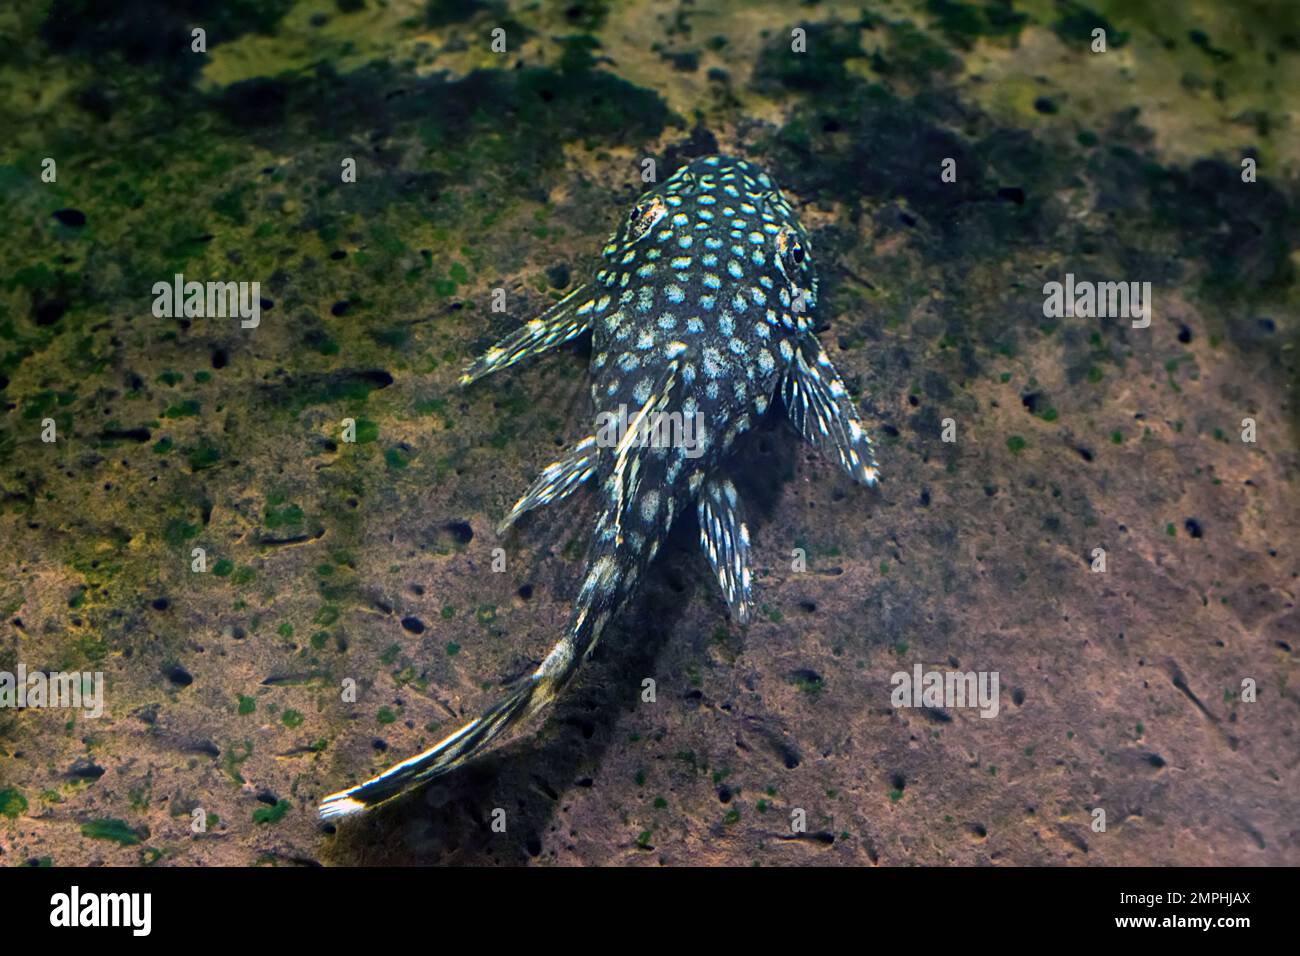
(370, 564)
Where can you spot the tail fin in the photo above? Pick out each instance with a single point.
(470, 740)
(614, 563)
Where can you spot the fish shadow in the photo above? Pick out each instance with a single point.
(458, 820)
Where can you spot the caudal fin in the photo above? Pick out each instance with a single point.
(443, 756)
(605, 588)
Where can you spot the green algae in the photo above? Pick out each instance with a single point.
(12, 803)
(367, 431)
(186, 409)
(202, 456)
(327, 615)
(177, 531)
(964, 23)
(117, 831)
(911, 55)
(1077, 23)
(277, 515)
(235, 753)
(271, 814)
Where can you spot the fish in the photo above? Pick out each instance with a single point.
(701, 312)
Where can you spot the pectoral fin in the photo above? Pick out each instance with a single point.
(820, 407)
(567, 319)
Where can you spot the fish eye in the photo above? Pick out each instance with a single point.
(790, 249)
(643, 217)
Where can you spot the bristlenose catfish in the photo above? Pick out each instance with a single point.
(703, 307)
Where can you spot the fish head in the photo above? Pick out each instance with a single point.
(733, 209)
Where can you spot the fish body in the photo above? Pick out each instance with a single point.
(700, 313)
